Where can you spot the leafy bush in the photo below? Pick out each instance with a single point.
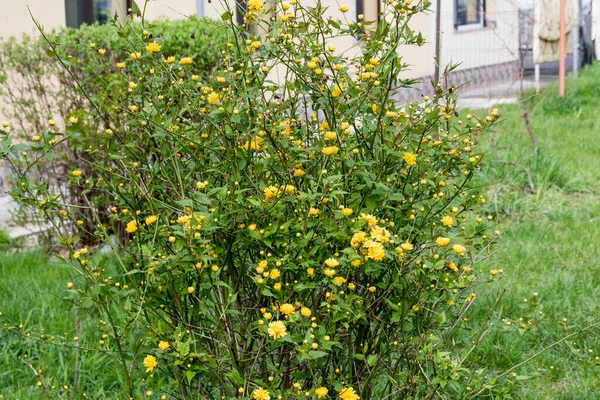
(292, 238)
(37, 87)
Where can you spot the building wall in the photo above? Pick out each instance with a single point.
(15, 19)
(496, 43)
(169, 9)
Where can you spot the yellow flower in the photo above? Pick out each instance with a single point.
(131, 226)
(261, 394)
(305, 312)
(299, 173)
(73, 120)
(290, 190)
(329, 272)
(274, 274)
(153, 47)
(163, 345)
(255, 5)
(151, 219)
(346, 211)
(170, 60)
(459, 248)
(330, 150)
(447, 221)
(358, 238)
(186, 61)
(337, 90)
(277, 329)
(76, 173)
(191, 289)
(101, 51)
(332, 262)
(313, 211)
(442, 241)
(213, 98)
(51, 122)
(321, 392)
(339, 280)
(271, 192)
(287, 309)
(380, 234)
(344, 9)
(150, 363)
(121, 65)
(136, 56)
(375, 250)
(410, 158)
(201, 185)
(329, 135)
(356, 262)
(406, 246)
(371, 219)
(348, 394)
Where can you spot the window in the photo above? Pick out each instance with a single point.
(469, 13)
(80, 12)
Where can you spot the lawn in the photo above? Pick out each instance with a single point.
(550, 244)
(549, 247)
(32, 294)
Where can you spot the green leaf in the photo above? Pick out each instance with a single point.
(372, 360)
(316, 354)
(146, 251)
(183, 348)
(441, 318)
(87, 303)
(235, 378)
(226, 16)
(189, 374)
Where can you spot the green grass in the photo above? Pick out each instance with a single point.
(551, 241)
(31, 294)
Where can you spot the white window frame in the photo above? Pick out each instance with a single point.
(472, 26)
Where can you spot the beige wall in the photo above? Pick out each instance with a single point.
(493, 44)
(496, 43)
(15, 19)
(171, 9)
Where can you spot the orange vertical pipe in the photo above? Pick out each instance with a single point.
(562, 62)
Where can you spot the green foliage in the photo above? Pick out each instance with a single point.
(36, 87)
(291, 236)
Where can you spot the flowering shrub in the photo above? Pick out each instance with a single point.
(301, 237)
